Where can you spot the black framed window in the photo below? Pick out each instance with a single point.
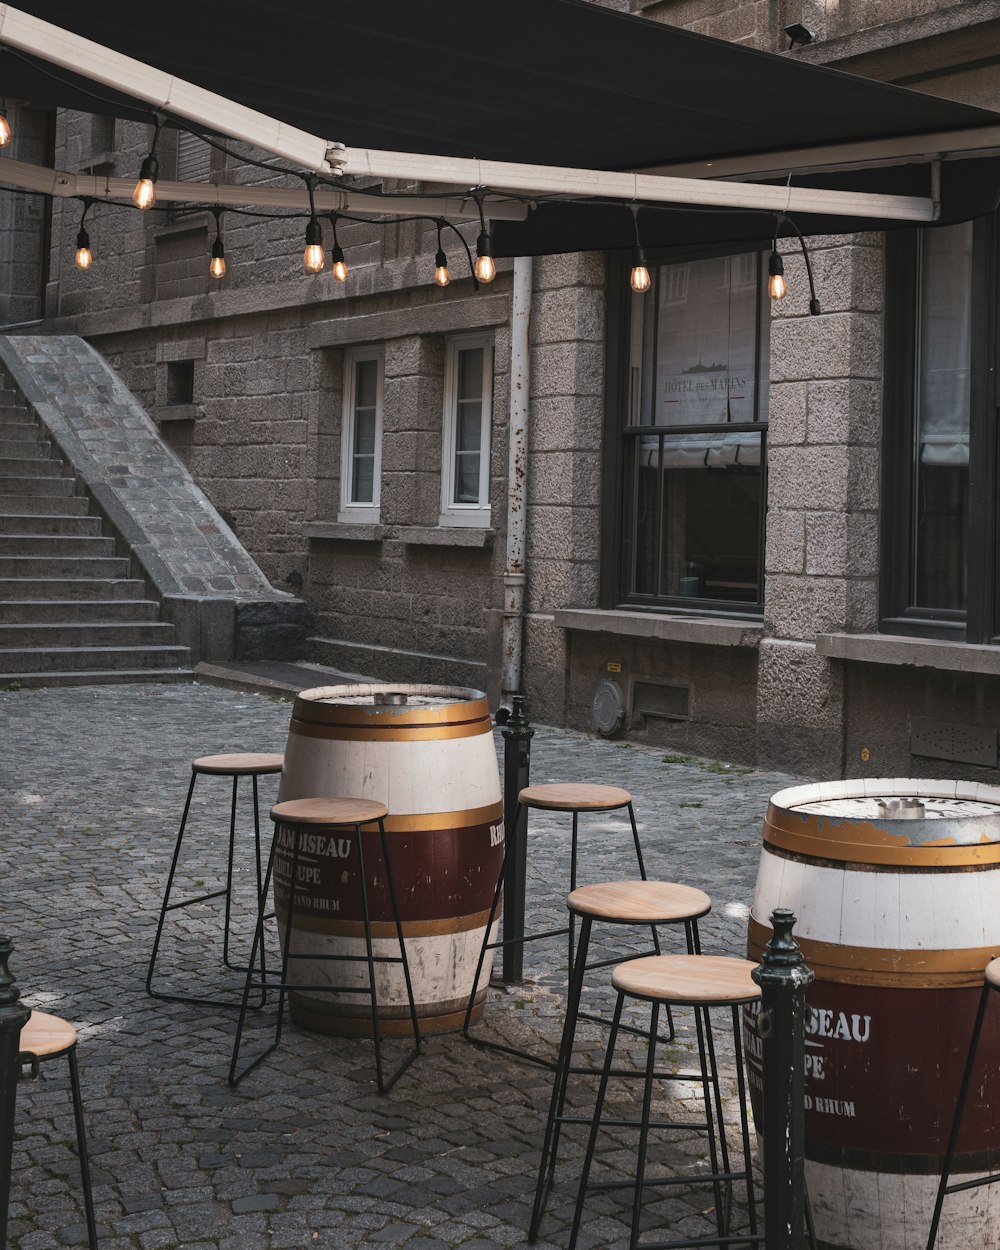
(687, 436)
(939, 519)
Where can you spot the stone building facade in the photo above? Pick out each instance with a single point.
(800, 642)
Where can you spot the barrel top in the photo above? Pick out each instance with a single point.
(402, 696)
(328, 811)
(701, 979)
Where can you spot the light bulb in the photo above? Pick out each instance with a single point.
(217, 268)
(144, 195)
(639, 279)
(314, 258)
(484, 268)
(441, 275)
(777, 287)
(4, 130)
(84, 256)
(340, 270)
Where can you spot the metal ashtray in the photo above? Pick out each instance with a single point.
(389, 698)
(901, 809)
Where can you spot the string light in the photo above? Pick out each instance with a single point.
(441, 275)
(777, 287)
(84, 256)
(217, 267)
(144, 195)
(639, 279)
(485, 268)
(340, 270)
(313, 257)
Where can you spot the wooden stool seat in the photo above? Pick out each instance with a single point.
(693, 980)
(640, 902)
(239, 764)
(571, 797)
(328, 811)
(46, 1035)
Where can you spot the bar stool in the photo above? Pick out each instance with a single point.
(700, 982)
(318, 817)
(991, 982)
(235, 765)
(617, 903)
(552, 797)
(46, 1037)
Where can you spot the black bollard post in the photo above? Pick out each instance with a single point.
(783, 977)
(517, 735)
(13, 1017)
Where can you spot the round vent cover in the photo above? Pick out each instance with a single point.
(609, 709)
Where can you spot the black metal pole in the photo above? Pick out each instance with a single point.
(517, 735)
(783, 977)
(13, 1017)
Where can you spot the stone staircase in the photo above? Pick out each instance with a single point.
(70, 614)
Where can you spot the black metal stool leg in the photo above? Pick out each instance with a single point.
(706, 1085)
(229, 872)
(404, 959)
(258, 938)
(572, 887)
(81, 1146)
(261, 901)
(491, 920)
(166, 893)
(596, 1123)
(647, 1100)
(550, 1144)
(744, 1120)
(956, 1124)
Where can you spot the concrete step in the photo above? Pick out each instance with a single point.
(79, 611)
(18, 484)
(22, 446)
(15, 660)
(48, 505)
(75, 634)
(74, 546)
(63, 566)
(28, 681)
(39, 523)
(34, 466)
(20, 589)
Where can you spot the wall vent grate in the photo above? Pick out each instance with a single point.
(944, 740)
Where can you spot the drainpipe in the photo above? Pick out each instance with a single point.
(517, 478)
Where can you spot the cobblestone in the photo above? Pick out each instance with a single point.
(303, 1152)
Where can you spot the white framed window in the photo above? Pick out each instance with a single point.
(361, 435)
(468, 412)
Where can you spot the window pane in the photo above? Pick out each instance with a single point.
(363, 480)
(364, 433)
(470, 427)
(705, 343)
(467, 477)
(366, 384)
(470, 373)
(941, 429)
(698, 502)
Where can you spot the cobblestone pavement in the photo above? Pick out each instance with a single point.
(304, 1152)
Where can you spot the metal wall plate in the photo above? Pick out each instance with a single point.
(945, 740)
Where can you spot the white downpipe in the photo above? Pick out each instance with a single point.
(515, 574)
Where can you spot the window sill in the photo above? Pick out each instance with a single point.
(445, 535)
(166, 413)
(345, 531)
(695, 629)
(955, 657)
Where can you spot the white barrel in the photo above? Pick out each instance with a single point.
(427, 753)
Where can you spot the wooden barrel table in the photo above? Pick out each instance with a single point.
(896, 886)
(427, 753)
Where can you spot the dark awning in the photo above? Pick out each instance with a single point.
(557, 82)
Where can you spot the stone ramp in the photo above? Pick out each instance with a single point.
(107, 462)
